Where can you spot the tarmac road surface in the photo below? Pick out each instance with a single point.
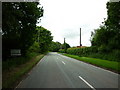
(58, 71)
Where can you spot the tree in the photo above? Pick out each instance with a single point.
(45, 39)
(55, 46)
(101, 36)
(65, 46)
(19, 23)
(107, 36)
(113, 23)
(113, 20)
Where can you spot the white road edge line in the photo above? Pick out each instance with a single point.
(40, 61)
(93, 65)
(87, 83)
(63, 62)
(18, 85)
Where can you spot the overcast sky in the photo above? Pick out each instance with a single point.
(64, 18)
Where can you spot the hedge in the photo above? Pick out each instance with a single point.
(94, 52)
(82, 51)
(62, 50)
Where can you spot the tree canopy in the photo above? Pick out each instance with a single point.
(55, 46)
(44, 39)
(107, 36)
(19, 24)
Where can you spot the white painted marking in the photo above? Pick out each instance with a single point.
(40, 61)
(63, 62)
(87, 83)
(18, 84)
(90, 65)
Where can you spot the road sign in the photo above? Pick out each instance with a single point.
(15, 52)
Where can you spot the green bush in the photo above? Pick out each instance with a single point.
(62, 50)
(82, 51)
(95, 52)
(35, 47)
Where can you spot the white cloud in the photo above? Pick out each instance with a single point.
(64, 18)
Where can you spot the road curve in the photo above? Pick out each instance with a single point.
(58, 71)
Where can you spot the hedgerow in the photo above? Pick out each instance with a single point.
(94, 52)
(62, 50)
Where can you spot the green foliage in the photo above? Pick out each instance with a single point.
(112, 65)
(62, 50)
(103, 48)
(34, 48)
(107, 37)
(16, 61)
(19, 23)
(45, 39)
(12, 75)
(95, 53)
(55, 46)
(101, 36)
(65, 46)
(113, 20)
(82, 51)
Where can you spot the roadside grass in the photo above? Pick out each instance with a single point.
(16, 61)
(15, 73)
(110, 65)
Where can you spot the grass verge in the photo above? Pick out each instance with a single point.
(12, 76)
(110, 65)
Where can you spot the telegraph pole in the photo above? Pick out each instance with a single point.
(80, 36)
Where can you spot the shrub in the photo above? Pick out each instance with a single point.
(35, 47)
(62, 50)
(95, 52)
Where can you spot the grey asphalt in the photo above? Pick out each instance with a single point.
(58, 71)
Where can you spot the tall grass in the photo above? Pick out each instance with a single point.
(16, 61)
(15, 68)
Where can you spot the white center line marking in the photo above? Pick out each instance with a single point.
(87, 83)
(63, 62)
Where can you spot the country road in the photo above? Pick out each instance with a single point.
(58, 71)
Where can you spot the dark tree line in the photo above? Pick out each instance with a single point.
(44, 39)
(56, 46)
(19, 25)
(107, 37)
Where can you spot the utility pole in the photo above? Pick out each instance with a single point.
(80, 37)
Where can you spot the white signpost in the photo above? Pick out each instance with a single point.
(15, 52)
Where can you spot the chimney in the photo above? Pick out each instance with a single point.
(80, 37)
